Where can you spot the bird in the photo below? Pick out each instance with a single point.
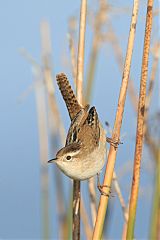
(84, 153)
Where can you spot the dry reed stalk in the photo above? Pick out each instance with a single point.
(120, 196)
(155, 218)
(117, 126)
(43, 139)
(152, 79)
(55, 111)
(118, 53)
(54, 118)
(72, 27)
(43, 142)
(150, 141)
(73, 57)
(99, 20)
(47, 71)
(155, 149)
(79, 81)
(124, 231)
(148, 138)
(83, 211)
(131, 89)
(119, 193)
(134, 100)
(140, 124)
(122, 203)
(81, 47)
(85, 220)
(92, 194)
(91, 69)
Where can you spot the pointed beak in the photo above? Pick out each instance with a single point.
(52, 160)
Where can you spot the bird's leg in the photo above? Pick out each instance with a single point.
(100, 187)
(113, 142)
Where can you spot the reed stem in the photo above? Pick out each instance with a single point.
(79, 81)
(140, 124)
(98, 229)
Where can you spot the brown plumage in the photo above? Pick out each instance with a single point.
(84, 153)
(86, 132)
(68, 95)
(84, 126)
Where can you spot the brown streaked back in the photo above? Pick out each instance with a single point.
(68, 95)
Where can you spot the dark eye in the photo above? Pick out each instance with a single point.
(68, 157)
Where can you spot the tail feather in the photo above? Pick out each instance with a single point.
(93, 121)
(68, 95)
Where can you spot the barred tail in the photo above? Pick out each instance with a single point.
(68, 95)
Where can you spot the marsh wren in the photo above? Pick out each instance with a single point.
(85, 150)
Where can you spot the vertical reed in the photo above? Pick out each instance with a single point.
(98, 229)
(79, 83)
(43, 143)
(140, 124)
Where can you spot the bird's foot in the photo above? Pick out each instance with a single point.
(113, 142)
(100, 187)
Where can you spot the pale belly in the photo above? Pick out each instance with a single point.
(90, 165)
